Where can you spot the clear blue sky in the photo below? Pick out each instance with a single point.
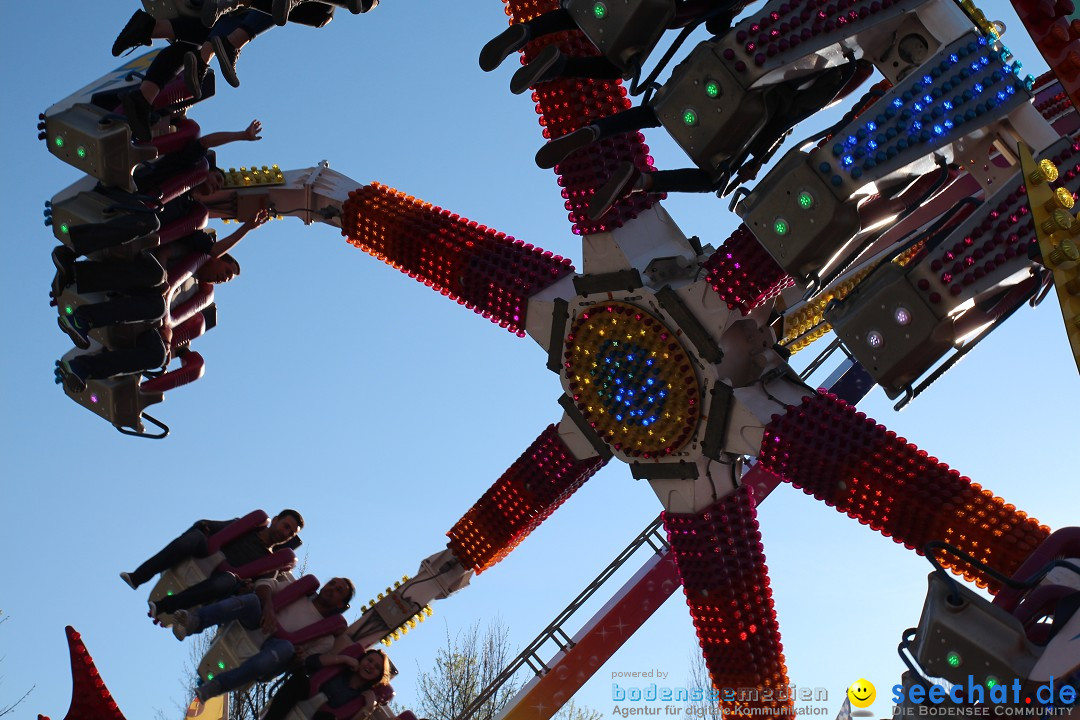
(337, 385)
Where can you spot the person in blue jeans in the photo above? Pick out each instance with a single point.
(256, 611)
(193, 543)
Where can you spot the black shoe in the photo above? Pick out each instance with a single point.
(193, 74)
(281, 10)
(136, 33)
(620, 184)
(547, 66)
(510, 40)
(75, 330)
(556, 150)
(361, 6)
(226, 56)
(64, 260)
(72, 374)
(137, 110)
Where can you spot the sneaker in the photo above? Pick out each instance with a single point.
(193, 75)
(510, 40)
(620, 184)
(126, 577)
(137, 110)
(209, 689)
(64, 260)
(545, 66)
(226, 56)
(72, 374)
(135, 34)
(184, 623)
(556, 150)
(281, 10)
(212, 10)
(362, 6)
(79, 334)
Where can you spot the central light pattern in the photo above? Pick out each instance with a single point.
(631, 380)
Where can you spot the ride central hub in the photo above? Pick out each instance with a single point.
(631, 380)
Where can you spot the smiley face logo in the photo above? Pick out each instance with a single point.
(862, 693)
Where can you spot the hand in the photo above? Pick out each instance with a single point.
(269, 623)
(253, 131)
(261, 217)
(350, 662)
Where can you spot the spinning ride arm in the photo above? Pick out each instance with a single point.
(537, 483)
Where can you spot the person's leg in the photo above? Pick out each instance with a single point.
(132, 308)
(292, 691)
(628, 179)
(150, 352)
(270, 661)
(551, 64)
(92, 237)
(219, 585)
(138, 103)
(227, 42)
(141, 272)
(140, 30)
(518, 35)
(632, 120)
(212, 10)
(246, 609)
(191, 544)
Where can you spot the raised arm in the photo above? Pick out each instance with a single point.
(252, 133)
(228, 243)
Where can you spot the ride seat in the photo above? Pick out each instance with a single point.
(234, 643)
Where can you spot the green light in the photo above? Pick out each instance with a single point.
(689, 117)
(64, 228)
(169, 593)
(81, 151)
(59, 142)
(953, 659)
(68, 310)
(712, 89)
(806, 200)
(991, 681)
(221, 664)
(780, 226)
(599, 10)
(209, 676)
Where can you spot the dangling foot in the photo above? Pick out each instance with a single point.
(126, 577)
(207, 690)
(226, 56)
(184, 623)
(623, 181)
(546, 66)
(510, 40)
(361, 6)
(137, 32)
(77, 331)
(212, 10)
(137, 109)
(193, 74)
(64, 260)
(72, 373)
(281, 10)
(556, 150)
